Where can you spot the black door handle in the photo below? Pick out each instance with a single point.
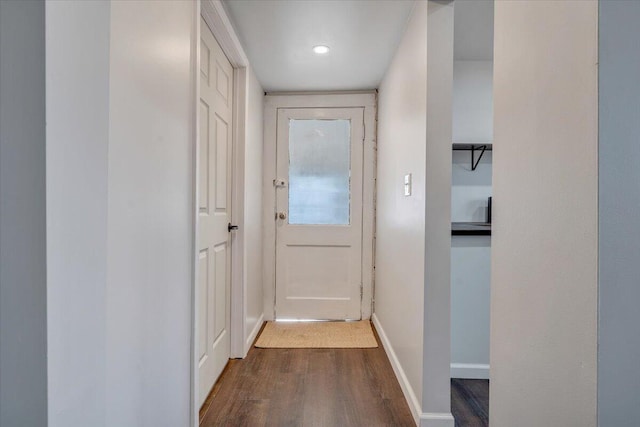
(231, 227)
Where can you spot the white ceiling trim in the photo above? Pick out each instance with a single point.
(216, 17)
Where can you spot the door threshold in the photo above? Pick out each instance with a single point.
(318, 320)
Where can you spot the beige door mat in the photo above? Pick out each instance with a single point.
(317, 335)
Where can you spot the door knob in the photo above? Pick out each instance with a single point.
(230, 227)
(282, 215)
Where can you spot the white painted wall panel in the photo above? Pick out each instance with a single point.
(150, 199)
(473, 101)
(436, 398)
(77, 143)
(470, 302)
(400, 221)
(253, 206)
(544, 243)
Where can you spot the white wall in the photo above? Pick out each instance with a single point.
(473, 101)
(150, 214)
(23, 292)
(119, 182)
(436, 398)
(416, 333)
(253, 209)
(400, 220)
(470, 306)
(544, 243)
(619, 154)
(77, 144)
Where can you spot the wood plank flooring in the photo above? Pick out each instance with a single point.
(470, 402)
(308, 387)
(318, 387)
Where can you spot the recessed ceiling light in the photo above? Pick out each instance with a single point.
(321, 49)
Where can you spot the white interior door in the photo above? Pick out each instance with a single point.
(319, 213)
(214, 211)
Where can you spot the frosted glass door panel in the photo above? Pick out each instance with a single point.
(319, 172)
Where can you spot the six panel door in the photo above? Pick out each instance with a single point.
(214, 211)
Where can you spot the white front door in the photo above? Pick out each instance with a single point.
(319, 213)
(214, 211)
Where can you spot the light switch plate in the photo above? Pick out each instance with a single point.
(407, 185)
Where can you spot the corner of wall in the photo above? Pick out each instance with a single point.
(405, 385)
(413, 272)
(253, 334)
(253, 198)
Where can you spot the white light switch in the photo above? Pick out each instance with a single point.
(407, 185)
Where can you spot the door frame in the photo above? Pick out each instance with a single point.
(214, 14)
(275, 101)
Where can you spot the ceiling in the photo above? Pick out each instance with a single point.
(473, 30)
(278, 37)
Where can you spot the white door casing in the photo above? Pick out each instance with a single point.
(273, 103)
(214, 212)
(319, 204)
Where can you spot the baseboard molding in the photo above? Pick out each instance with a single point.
(407, 390)
(253, 335)
(472, 371)
(440, 419)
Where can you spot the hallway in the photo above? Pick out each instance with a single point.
(176, 173)
(310, 387)
(325, 387)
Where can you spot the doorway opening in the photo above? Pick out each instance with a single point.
(471, 209)
(319, 174)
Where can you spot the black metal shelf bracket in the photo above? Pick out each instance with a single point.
(476, 149)
(474, 162)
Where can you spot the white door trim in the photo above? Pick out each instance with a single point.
(367, 100)
(216, 17)
(214, 14)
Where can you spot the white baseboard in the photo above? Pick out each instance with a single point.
(254, 333)
(407, 390)
(440, 419)
(473, 371)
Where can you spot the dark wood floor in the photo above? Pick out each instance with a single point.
(470, 402)
(317, 387)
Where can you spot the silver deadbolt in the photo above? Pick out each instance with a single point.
(282, 215)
